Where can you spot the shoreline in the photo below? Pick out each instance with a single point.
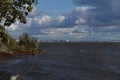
(20, 53)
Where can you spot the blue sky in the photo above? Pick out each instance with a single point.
(55, 7)
(74, 20)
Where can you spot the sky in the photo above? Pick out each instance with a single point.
(74, 20)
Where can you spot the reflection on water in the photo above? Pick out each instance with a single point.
(66, 61)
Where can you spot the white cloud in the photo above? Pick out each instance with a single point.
(78, 35)
(61, 18)
(34, 13)
(80, 21)
(13, 27)
(37, 35)
(84, 8)
(111, 27)
(29, 22)
(44, 19)
(57, 31)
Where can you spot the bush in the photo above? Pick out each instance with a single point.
(7, 40)
(12, 44)
(28, 43)
(25, 43)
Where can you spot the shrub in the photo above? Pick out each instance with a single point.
(27, 43)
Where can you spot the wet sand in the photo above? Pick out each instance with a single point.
(66, 61)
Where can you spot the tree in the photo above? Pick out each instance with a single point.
(3, 36)
(10, 12)
(28, 43)
(15, 10)
(24, 41)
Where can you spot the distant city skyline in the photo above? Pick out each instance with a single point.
(73, 20)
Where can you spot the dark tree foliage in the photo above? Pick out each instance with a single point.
(15, 10)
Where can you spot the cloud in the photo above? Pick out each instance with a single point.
(80, 21)
(13, 27)
(35, 12)
(44, 19)
(98, 12)
(61, 18)
(91, 20)
(84, 8)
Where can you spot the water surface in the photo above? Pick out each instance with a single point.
(66, 61)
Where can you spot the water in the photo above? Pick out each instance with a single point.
(66, 61)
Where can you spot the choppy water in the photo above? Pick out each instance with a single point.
(67, 61)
